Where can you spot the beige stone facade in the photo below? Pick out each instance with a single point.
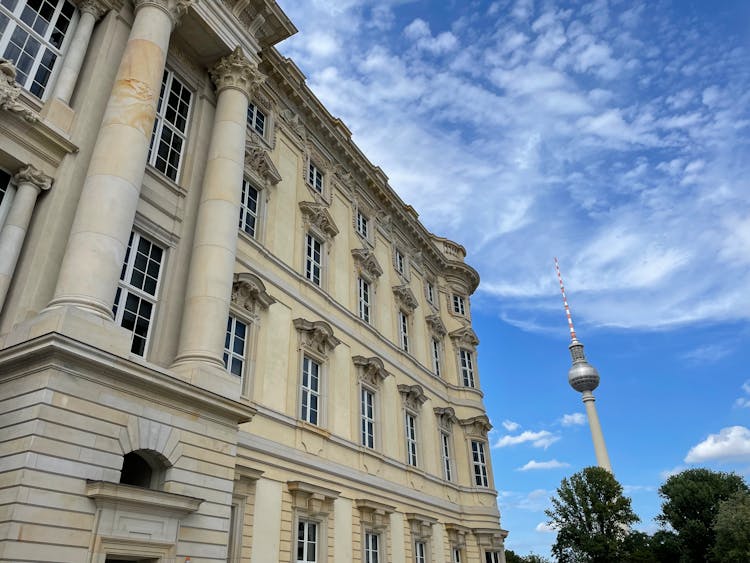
(223, 335)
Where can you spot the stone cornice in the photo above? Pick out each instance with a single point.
(263, 19)
(141, 498)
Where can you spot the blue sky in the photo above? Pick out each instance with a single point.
(614, 135)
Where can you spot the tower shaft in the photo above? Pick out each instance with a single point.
(600, 448)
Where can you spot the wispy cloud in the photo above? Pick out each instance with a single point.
(546, 528)
(541, 439)
(574, 419)
(732, 443)
(510, 426)
(533, 501)
(551, 464)
(744, 401)
(708, 353)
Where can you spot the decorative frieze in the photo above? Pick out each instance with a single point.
(371, 370)
(316, 336)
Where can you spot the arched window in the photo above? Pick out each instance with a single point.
(143, 468)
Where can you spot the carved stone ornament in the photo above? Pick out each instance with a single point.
(345, 177)
(374, 515)
(371, 370)
(476, 425)
(420, 526)
(489, 538)
(97, 8)
(406, 298)
(293, 121)
(259, 161)
(412, 395)
(436, 325)
(366, 263)
(30, 175)
(316, 214)
(457, 534)
(10, 91)
(313, 500)
(174, 8)
(249, 293)
(236, 71)
(465, 337)
(446, 417)
(316, 336)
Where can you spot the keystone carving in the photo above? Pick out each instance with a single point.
(236, 71)
(10, 91)
(316, 336)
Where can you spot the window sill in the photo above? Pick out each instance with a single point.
(301, 424)
(168, 183)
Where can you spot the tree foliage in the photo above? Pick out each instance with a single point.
(511, 557)
(691, 505)
(592, 518)
(732, 528)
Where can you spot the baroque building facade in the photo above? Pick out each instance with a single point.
(224, 337)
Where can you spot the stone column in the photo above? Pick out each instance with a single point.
(209, 286)
(29, 182)
(91, 11)
(101, 228)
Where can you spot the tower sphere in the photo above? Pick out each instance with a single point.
(582, 376)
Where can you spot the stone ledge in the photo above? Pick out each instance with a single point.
(106, 493)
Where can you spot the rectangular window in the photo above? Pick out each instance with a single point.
(32, 35)
(430, 290)
(479, 463)
(456, 555)
(467, 367)
(256, 119)
(135, 299)
(363, 290)
(435, 346)
(4, 183)
(313, 258)
(372, 548)
(492, 557)
(362, 225)
(459, 306)
(315, 177)
(249, 208)
(170, 127)
(310, 387)
(400, 263)
(445, 449)
(411, 439)
(367, 413)
(307, 541)
(234, 346)
(420, 552)
(403, 330)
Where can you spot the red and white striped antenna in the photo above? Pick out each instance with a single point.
(565, 302)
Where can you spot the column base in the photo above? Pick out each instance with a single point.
(75, 323)
(58, 113)
(208, 375)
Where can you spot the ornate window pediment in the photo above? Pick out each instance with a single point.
(436, 325)
(374, 515)
(477, 426)
(313, 500)
(465, 336)
(317, 215)
(446, 417)
(412, 395)
(406, 298)
(249, 293)
(316, 336)
(489, 538)
(366, 263)
(258, 161)
(420, 526)
(372, 370)
(457, 534)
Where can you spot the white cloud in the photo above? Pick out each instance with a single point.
(541, 439)
(546, 528)
(533, 501)
(744, 401)
(552, 464)
(731, 443)
(575, 419)
(667, 473)
(510, 426)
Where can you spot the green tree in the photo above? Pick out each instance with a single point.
(665, 545)
(592, 518)
(732, 529)
(636, 548)
(511, 557)
(691, 504)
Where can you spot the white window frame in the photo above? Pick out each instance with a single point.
(479, 464)
(430, 293)
(399, 262)
(126, 288)
(371, 547)
(307, 391)
(249, 218)
(315, 177)
(466, 363)
(367, 426)
(363, 225)
(436, 350)
(169, 79)
(412, 439)
(420, 552)
(445, 455)
(44, 45)
(310, 262)
(364, 299)
(492, 557)
(231, 337)
(456, 554)
(459, 305)
(403, 330)
(307, 543)
(256, 119)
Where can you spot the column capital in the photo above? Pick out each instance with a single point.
(96, 8)
(30, 175)
(236, 71)
(175, 9)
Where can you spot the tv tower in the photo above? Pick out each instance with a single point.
(584, 378)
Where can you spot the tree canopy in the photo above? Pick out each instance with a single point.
(691, 505)
(592, 518)
(732, 528)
